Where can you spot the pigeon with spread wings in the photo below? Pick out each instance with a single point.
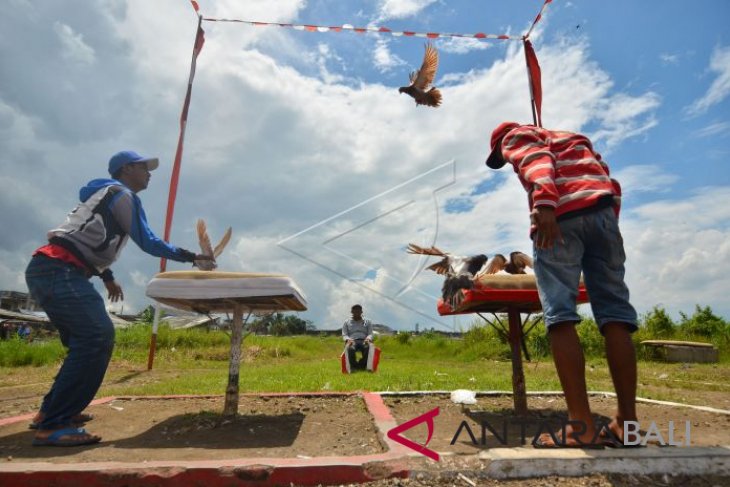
(459, 271)
(207, 249)
(421, 80)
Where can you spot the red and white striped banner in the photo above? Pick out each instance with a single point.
(364, 30)
(537, 18)
(377, 30)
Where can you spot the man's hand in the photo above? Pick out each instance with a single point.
(368, 340)
(204, 262)
(114, 291)
(350, 342)
(548, 231)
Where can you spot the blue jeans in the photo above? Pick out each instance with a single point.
(362, 347)
(593, 245)
(77, 310)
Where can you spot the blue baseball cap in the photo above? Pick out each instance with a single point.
(125, 157)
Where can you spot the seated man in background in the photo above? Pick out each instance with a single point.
(358, 335)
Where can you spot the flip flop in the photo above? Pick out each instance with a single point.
(612, 441)
(615, 443)
(55, 438)
(79, 419)
(540, 442)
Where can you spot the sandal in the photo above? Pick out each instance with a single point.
(67, 437)
(547, 441)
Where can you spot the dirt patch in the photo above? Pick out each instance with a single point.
(706, 429)
(136, 430)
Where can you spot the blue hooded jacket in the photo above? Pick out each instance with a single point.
(97, 230)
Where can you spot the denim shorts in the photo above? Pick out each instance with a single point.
(593, 245)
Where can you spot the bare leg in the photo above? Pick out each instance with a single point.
(570, 364)
(621, 358)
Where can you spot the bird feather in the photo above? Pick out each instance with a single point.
(416, 249)
(497, 264)
(441, 267)
(222, 244)
(203, 239)
(424, 77)
(521, 260)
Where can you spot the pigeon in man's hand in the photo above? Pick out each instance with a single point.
(207, 249)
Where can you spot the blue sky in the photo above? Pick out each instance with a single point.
(302, 143)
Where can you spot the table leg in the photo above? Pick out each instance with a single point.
(518, 375)
(231, 404)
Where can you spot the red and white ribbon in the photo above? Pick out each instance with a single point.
(376, 30)
(363, 30)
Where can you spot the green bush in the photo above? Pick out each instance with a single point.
(482, 341)
(658, 324)
(403, 337)
(538, 342)
(478, 334)
(590, 338)
(703, 323)
(18, 353)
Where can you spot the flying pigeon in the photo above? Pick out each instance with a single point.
(459, 271)
(516, 265)
(421, 80)
(207, 249)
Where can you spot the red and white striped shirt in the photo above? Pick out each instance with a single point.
(559, 169)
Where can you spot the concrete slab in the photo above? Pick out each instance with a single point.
(528, 462)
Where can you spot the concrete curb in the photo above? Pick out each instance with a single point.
(500, 463)
(527, 462)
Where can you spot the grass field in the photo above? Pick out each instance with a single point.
(196, 362)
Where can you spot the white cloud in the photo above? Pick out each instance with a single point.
(668, 59)
(383, 59)
(677, 254)
(399, 9)
(462, 45)
(623, 116)
(325, 55)
(720, 87)
(721, 129)
(645, 179)
(73, 45)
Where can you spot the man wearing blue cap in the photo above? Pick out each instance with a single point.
(85, 245)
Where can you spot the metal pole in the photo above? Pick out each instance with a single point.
(153, 339)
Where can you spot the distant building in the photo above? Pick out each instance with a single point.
(383, 329)
(16, 301)
(378, 329)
